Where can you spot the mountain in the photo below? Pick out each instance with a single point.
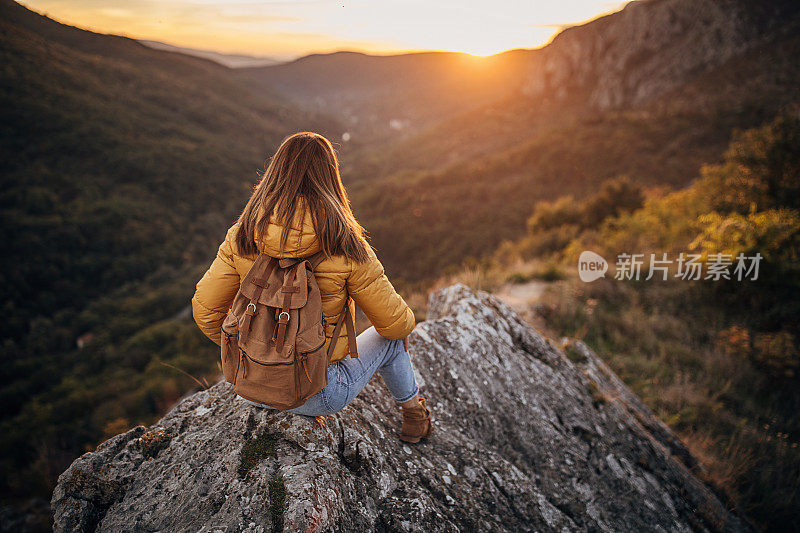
(526, 439)
(584, 113)
(385, 97)
(120, 168)
(228, 60)
(651, 47)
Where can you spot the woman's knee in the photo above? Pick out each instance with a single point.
(396, 349)
(336, 404)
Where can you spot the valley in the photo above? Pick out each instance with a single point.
(123, 166)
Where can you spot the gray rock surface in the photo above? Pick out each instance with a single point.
(527, 439)
(650, 47)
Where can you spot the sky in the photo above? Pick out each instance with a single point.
(289, 29)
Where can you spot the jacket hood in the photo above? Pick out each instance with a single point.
(302, 239)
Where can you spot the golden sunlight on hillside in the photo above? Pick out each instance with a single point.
(290, 29)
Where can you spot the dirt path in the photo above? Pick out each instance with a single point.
(520, 296)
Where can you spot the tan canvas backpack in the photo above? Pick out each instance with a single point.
(273, 338)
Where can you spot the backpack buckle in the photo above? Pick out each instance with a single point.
(254, 308)
(281, 318)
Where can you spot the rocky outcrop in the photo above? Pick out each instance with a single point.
(528, 438)
(649, 48)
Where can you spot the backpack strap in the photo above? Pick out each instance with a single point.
(316, 259)
(350, 324)
(259, 282)
(288, 290)
(345, 317)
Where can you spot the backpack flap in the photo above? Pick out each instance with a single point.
(272, 294)
(267, 307)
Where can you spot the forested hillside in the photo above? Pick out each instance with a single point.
(468, 182)
(717, 359)
(121, 167)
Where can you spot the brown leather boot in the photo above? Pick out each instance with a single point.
(416, 422)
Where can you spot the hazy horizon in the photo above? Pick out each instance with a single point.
(286, 30)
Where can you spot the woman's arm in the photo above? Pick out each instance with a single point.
(215, 292)
(375, 295)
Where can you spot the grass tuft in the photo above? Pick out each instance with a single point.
(253, 451)
(277, 501)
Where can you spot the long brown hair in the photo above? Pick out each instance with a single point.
(305, 165)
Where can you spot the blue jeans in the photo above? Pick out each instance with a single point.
(347, 377)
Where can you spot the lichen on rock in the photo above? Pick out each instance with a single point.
(522, 443)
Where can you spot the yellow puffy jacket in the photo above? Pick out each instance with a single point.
(365, 282)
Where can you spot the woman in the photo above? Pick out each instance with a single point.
(309, 211)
